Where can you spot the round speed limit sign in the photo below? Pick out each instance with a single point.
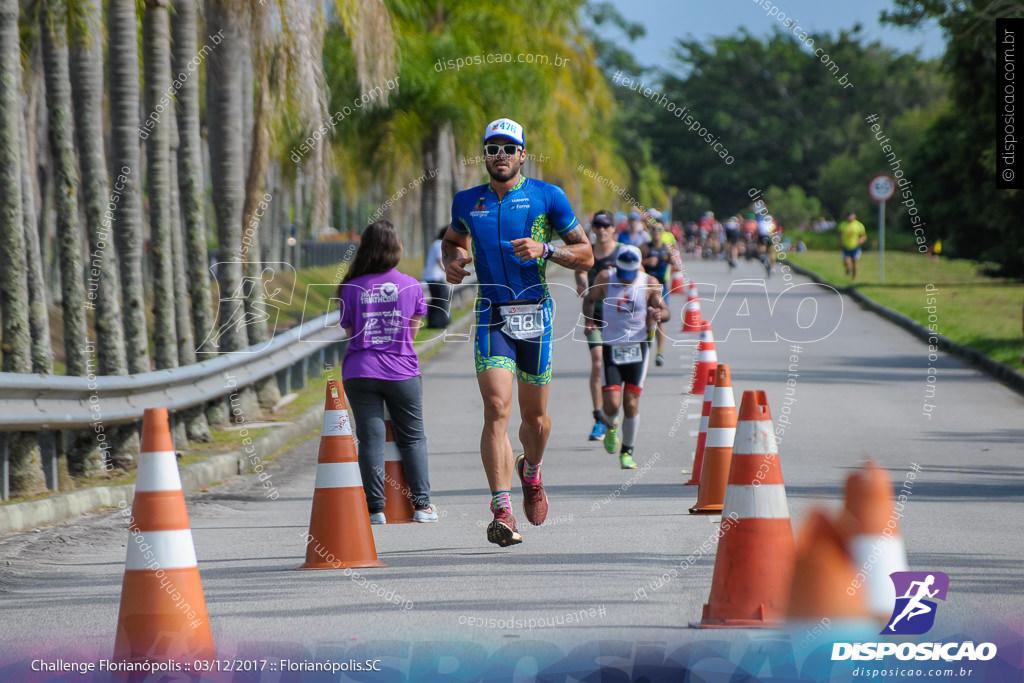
(882, 188)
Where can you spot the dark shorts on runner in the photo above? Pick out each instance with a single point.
(629, 376)
(732, 236)
(852, 253)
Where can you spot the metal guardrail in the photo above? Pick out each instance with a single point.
(42, 402)
(47, 403)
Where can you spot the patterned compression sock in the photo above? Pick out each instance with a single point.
(531, 473)
(630, 427)
(597, 416)
(501, 499)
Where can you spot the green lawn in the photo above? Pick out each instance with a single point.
(970, 308)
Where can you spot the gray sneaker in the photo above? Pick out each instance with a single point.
(428, 514)
(378, 518)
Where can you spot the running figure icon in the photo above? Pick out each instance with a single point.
(915, 606)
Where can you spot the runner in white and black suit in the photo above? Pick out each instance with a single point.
(632, 304)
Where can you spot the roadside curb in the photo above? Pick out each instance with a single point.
(73, 504)
(1003, 373)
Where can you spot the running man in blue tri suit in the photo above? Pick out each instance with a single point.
(508, 224)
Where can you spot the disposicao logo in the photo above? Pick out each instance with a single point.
(913, 614)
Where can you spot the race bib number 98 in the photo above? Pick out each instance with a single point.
(523, 321)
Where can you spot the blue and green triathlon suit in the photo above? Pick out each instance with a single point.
(513, 307)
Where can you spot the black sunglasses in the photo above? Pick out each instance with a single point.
(509, 150)
(603, 225)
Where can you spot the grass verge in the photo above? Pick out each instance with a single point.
(969, 308)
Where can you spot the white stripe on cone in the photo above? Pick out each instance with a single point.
(755, 437)
(336, 423)
(720, 437)
(158, 471)
(878, 556)
(767, 501)
(707, 355)
(723, 398)
(161, 550)
(337, 475)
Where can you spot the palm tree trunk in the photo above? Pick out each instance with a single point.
(26, 472)
(104, 283)
(191, 184)
(192, 420)
(190, 172)
(53, 38)
(156, 129)
(124, 152)
(257, 208)
(227, 167)
(38, 312)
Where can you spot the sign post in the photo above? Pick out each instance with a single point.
(881, 188)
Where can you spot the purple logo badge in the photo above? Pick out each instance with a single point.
(916, 592)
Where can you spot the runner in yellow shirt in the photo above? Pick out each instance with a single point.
(852, 235)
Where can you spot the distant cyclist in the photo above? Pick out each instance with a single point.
(509, 223)
(732, 241)
(605, 248)
(632, 302)
(765, 235)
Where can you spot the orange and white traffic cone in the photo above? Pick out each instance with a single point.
(873, 536)
(691, 312)
(823, 575)
(339, 525)
(678, 285)
(754, 563)
(702, 435)
(398, 507)
(714, 475)
(163, 612)
(707, 359)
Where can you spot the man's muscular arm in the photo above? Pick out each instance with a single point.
(455, 255)
(577, 254)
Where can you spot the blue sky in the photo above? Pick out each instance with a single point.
(666, 20)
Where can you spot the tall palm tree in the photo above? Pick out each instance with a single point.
(53, 38)
(103, 294)
(227, 167)
(39, 312)
(26, 474)
(192, 189)
(193, 419)
(156, 47)
(255, 188)
(104, 291)
(190, 172)
(123, 58)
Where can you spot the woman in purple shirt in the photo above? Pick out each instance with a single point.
(381, 310)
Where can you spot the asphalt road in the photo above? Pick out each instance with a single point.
(856, 392)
